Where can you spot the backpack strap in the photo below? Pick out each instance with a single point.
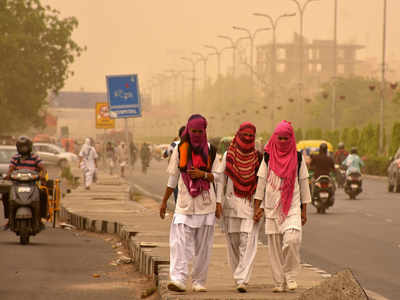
(213, 153)
(299, 160)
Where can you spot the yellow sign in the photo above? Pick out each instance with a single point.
(103, 120)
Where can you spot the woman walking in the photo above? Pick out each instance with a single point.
(236, 187)
(192, 228)
(283, 188)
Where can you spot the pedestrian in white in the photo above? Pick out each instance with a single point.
(284, 190)
(87, 162)
(192, 228)
(122, 158)
(238, 171)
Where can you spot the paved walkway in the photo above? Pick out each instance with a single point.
(109, 200)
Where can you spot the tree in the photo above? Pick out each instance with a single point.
(395, 140)
(36, 50)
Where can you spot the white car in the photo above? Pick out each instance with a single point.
(53, 153)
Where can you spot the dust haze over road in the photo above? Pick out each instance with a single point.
(149, 36)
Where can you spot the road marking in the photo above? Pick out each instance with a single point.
(369, 215)
(389, 220)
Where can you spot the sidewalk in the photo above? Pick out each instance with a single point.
(107, 208)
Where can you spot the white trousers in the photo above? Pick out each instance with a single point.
(187, 244)
(242, 249)
(88, 176)
(284, 254)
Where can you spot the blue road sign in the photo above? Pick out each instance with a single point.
(123, 96)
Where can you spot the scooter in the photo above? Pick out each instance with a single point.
(25, 204)
(340, 175)
(353, 185)
(323, 195)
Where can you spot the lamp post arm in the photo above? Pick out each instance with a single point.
(306, 4)
(298, 5)
(259, 30)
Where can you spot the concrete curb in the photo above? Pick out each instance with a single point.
(154, 267)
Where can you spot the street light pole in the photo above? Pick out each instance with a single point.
(251, 37)
(218, 53)
(193, 62)
(204, 59)
(382, 103)
(301, 10)
(234, 45)
(274, 24)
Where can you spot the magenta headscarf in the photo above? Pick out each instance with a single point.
(283, 162)
(197, 156)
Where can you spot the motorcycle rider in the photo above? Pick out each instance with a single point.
(340, 154)
(339, 157)
(353, 162)
(25, 159)
(321, 163)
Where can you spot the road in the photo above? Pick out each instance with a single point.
(362, 234)
(60, 264)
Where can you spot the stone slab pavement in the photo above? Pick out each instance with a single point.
(107, 208)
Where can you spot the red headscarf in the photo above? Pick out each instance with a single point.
(283, 162)
(242, 162)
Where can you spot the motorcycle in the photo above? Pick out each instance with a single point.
(340, 175)
(25, 204)
(323, 193)
(353, 185)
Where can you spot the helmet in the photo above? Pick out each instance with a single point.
(323, 148)
(24, 145)
(340, 145)
(353, 150)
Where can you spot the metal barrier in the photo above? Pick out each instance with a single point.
(53, 190)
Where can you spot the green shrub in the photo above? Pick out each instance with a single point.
(376, 165)
(395, 139)
(298, 133)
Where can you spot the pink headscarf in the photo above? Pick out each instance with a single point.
(199, 143)
(198, 156)
(283, 162)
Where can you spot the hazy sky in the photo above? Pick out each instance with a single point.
(149, 36)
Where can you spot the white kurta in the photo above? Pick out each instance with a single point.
(241, 231)
(284, 238)
(192, 228)
(270, 194)
(88, 165)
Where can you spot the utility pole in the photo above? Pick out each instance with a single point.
(333, 112)
(382, 104)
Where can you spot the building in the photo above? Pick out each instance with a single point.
(317, 60)
(76, 111)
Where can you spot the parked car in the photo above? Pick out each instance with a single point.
(6, 152)
(55, 155)
(394, 173)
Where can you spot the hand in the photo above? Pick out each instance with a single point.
(218, 211)
(196, 173)
(163, 209)
(303, 217)
(258, 213)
